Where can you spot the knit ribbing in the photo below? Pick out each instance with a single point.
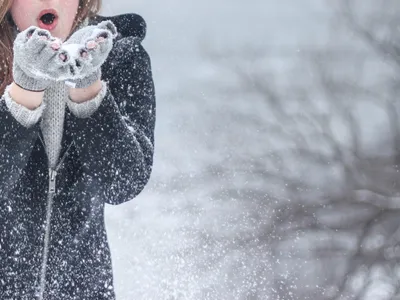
(22, 114)
(87, 108)
(53, 120)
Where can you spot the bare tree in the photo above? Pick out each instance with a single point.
(320, 202)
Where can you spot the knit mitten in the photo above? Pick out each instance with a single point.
(88, 48)
(38, 59)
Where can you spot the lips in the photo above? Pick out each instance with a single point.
(48, 19)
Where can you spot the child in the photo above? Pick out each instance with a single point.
(77, 119)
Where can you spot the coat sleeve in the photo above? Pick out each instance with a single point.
(18, 133)
(116, 142)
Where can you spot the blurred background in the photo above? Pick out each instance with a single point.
(276, 170)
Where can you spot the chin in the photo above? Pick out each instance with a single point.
(59, 35)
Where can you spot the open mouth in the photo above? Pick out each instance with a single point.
(48, 19)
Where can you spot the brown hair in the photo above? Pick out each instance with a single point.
(87, 8)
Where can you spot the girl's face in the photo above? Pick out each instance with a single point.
(27, 13)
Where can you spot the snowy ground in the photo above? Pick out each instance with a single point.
(176, 241)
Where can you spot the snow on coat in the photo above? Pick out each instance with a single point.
(105, 158)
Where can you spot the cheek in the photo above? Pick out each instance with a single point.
(70, 7)
(22, 13)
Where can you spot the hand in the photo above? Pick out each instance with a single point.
(38, 59)
(88, 48)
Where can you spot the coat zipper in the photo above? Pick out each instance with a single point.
(49, 208)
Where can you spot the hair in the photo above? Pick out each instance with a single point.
(87, 8)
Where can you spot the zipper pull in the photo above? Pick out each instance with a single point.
(52, 180)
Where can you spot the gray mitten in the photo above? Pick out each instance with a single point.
(38, 59)
(88, 48)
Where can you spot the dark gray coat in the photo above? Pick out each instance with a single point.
(106, 158)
